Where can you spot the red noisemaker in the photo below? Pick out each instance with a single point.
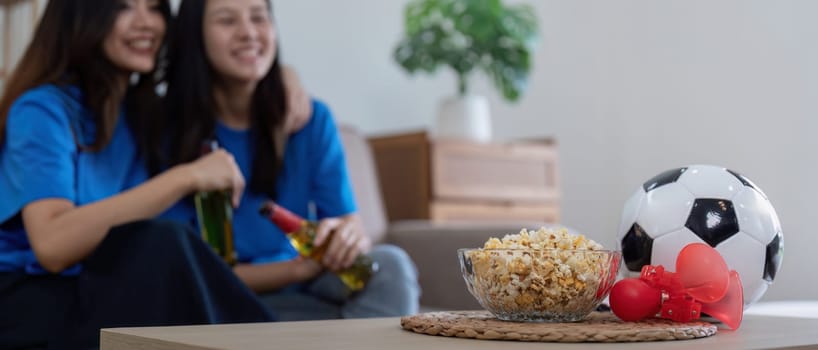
(702, 283)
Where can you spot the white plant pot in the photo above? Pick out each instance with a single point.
(464, 117)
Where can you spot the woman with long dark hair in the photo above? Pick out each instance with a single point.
(225, 82)
(77, 251)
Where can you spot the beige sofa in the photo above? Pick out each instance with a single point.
(433, 246)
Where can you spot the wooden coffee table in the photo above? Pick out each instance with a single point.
(756, 332)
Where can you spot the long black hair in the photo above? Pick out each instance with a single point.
(67, 49)
(191, 111)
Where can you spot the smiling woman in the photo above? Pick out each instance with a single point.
(78, 248)
(247, 59)
(226, 82)
(135, 37)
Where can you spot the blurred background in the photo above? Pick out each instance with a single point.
(627, 88)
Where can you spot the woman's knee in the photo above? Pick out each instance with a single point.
(394, 261)
(153, 235)
(156, 229)
(393, 290)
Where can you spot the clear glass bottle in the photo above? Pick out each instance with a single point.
(301, 233)
(214, 213)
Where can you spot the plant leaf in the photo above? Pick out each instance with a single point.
(469, 34)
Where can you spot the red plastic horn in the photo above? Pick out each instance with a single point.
(703, 272)
(702, 283)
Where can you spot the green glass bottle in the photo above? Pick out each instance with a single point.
(302, 233)
(215, 215)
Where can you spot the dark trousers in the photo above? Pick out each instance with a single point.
(148, 273)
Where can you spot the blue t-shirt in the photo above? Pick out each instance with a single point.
(314, 170)
(40, 159)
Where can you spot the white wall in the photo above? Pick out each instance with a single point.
(21, 18)
(628, 87)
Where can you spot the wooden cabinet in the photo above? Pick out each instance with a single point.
(449, 180)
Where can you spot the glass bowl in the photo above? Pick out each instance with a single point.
(539, 285)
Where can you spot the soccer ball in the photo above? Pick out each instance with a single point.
(706, 204)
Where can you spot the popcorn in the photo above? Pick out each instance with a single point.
(544, 271)
(543, 239)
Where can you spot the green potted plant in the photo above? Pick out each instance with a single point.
(469, 36)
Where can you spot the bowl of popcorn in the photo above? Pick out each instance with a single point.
(548, 275)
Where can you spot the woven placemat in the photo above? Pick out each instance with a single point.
(599, 327)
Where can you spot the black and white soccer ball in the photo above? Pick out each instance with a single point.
(705, 204)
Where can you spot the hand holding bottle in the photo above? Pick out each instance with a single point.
(302, 234)
(218, 171)
(213, 210)
(348, 241)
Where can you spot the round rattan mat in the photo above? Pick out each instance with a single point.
(599, 327)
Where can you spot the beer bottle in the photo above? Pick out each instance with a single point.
(302, 233)
(214, 213)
